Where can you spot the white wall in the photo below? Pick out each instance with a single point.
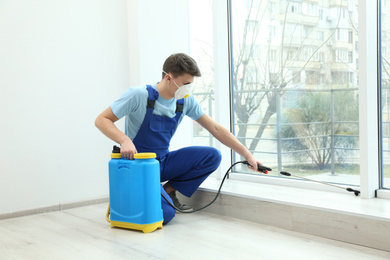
(61, 64)
(156, 30)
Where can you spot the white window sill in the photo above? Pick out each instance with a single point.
(332, 201)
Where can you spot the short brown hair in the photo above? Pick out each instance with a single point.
(180, 63)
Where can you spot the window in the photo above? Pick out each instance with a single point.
(296, 77)
(343, 35)
(310, 9)
(343, 12)
(294, 7)
(251, 51)
(340, 77)
(337, 65)
(271, 31)
(320, 36)
(310, 53)
(293, 54)
(321, 56)
(341, 56)
(251, 76)
(385, 89)
(350, 37)
(312, 77)
(201, 49)
(254, 4)
(350, 57)
(306, 31)
(305, 131)
(251, 25)
(273, 55)
(272, 7)
(292, 29)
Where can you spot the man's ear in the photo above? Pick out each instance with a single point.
(167, 77)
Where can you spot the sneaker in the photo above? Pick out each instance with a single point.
(177, 203)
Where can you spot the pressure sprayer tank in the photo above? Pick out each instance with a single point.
(135, 199)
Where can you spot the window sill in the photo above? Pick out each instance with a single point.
(333, 215)
(337, 201)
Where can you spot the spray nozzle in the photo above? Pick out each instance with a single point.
(356, 192)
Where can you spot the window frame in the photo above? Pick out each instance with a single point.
(368, 99)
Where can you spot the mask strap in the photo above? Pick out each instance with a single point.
(166, 73)
(171, 78)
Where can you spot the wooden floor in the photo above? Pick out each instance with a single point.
(83, 233)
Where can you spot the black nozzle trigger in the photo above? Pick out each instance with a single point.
(260, 167)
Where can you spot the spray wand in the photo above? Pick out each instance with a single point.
(265, 170)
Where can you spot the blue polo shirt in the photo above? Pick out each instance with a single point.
(132, 105)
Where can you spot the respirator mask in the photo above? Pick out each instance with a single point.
(183, 91)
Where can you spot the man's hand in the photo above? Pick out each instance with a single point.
(105, 123)
(128, 149)
(253, 163)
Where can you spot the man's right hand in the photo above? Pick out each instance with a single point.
(105, 123)
(128, 150)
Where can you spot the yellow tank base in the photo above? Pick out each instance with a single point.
(146, 228)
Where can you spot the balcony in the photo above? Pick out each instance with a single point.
(302, 19)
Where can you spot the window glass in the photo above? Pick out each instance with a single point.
(385, 43)
(201, 49)
(296, 98)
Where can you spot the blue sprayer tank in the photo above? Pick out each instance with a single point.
(135, 195)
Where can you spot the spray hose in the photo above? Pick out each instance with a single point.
(264, 170)
(216, 196)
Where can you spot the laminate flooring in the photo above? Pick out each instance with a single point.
(84, 233)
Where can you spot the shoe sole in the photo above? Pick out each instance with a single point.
(185, 210)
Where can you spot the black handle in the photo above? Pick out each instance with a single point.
(260, 167)
(263, 169)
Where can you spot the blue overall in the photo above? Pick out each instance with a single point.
(184, 169)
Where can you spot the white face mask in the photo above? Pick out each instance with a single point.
(183, 91)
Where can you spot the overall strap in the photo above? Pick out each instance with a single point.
(180, 105)
(179, 109)
(152, 96)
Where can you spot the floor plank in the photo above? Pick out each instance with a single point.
(83, 233)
